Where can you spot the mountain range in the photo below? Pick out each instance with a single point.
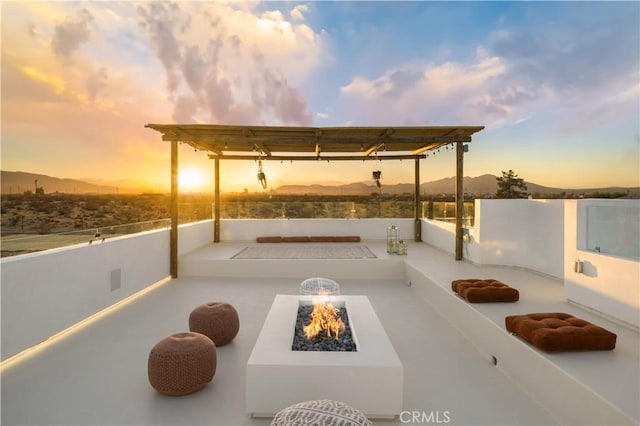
(479, 186)
(19, 182)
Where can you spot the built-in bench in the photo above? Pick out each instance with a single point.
(310, 239)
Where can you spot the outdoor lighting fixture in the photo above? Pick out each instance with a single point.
(377, 174)
(262, 178)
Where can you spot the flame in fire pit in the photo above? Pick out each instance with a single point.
(324, 318)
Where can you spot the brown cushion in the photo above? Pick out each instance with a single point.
(322, 239)
(295, 239)
(558, 331)
(269, 239)
(347, 239)
(311, 239)
(482, 291)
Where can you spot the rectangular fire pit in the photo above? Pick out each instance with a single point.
(369, 379)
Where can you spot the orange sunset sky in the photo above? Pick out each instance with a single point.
(556, 85)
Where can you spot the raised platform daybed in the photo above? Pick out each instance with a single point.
(310, 239)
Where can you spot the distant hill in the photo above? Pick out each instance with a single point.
(19, 182)
(480, 186)
(485, 185)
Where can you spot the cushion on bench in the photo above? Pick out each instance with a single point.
(346, 239)
(483, 291)
(310, 239)
(558, 331)
(322, 239)
(295, 239)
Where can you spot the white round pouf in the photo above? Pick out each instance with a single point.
(315, 286)
(321, 412)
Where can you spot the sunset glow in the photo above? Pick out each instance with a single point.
(191, 179)
(560, 106)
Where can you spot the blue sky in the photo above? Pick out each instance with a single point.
(556, 84)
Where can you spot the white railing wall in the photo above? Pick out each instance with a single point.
(607, 283)
(366, 229)
(441, 235)
(45, 292)
(523, 233)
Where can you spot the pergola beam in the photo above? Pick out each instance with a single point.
(300, 141)
(262, 148)
(373, 148)
(319, 158)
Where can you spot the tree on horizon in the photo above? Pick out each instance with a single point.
(511, 186)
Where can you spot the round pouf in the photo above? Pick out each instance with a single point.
(320, 412)
(319, 286)
(217, 320)
(182, 363)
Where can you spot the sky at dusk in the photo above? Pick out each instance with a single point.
(556, 85)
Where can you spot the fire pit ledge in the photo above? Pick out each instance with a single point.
(369, 379)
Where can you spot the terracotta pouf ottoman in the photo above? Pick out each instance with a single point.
(217, 320)
(182, 363)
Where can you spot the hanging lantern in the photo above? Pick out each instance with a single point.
(402, 247)
(392, 239)
(262, 178)
(377, 174)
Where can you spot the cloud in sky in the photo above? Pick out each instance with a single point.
(69, 35)
(218, 69)
(81, 79)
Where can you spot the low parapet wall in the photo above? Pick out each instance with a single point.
(44, 293)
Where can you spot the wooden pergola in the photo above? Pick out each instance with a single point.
(224, 142)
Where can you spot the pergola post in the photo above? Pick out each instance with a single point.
(216, 210)
(173, 234)
(417, 228)
(459, 199)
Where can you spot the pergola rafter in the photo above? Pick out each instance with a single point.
(224, 142)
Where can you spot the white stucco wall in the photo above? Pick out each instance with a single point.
(46, 292)
(43, 293)
(439, 234)
(609, 284)
(366, 229)
(524, 233)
